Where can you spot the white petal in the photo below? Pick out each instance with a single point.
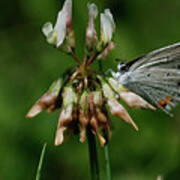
(107, 26)
(108, 92)
(67, 8)
(69, 96)
(60, 28)
(91, 37)
(47, 29)
(109, 14)
(93, 10)
(67, 5)
(57, 35)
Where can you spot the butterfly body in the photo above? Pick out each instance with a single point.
(155, 77)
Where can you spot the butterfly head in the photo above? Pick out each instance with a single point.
(121, 66)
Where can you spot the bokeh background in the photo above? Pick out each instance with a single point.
(28, 65)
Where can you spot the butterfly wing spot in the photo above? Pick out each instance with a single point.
(162, 103)
(168, 99)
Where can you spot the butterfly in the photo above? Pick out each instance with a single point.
(155, 77)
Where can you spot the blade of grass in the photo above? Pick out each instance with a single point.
(38, 173)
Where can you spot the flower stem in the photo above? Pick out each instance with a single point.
(74, 55)
(38, 173)
(93, 155)
(107, 159)
(92, 59)
(108, 168)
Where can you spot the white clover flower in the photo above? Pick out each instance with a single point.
(82, 94)
(68, 9)
(93, 12)
(57, 35)
(107, 26)
(91, 36)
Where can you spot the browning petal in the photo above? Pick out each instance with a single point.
(83, 120)
(118, 110)
(135, 101)
(94, 125)
(59, 136)
(44, 102)
(65, 119)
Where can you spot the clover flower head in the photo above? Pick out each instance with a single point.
(82, 94)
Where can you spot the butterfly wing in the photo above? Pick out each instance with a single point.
(155, 77)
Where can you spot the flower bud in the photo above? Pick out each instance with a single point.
(91, 36)
(46, 100)
(119, 111)
(68, 9)
(107, 26)
(61, 35)
(56, 35)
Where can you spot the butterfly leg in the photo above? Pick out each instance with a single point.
(114, 74)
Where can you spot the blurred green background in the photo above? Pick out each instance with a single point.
(28, 65)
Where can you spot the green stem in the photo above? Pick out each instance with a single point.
(38, 173)
(94, 166)
(107, 159)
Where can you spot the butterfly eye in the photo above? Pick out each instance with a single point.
(121, 66)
